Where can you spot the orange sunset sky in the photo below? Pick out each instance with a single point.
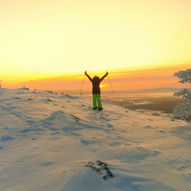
(48, 44)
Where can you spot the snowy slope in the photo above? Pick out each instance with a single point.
(47, 140)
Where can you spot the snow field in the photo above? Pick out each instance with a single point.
(46, 140)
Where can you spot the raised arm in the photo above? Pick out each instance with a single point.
(104, 76)
(88, 76)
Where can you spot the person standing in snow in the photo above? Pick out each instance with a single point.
(96, 90)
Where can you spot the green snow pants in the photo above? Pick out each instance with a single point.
(96, 101)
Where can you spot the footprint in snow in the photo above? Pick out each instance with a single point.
(109, 125)
(101, 168)
(162, 131)
(148, 127)
(47, 163)
(30, 99)
(77, 119)
(6, 138)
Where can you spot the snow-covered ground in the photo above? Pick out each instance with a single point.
(53, 142)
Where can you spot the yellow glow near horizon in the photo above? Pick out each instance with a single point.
(103, 85)
(46, 38)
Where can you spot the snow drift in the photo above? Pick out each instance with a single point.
(53, 142)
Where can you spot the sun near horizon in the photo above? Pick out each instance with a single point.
(47, 39)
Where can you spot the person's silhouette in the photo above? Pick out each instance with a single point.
(96, 90)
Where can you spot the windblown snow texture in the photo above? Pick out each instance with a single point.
(57, 142)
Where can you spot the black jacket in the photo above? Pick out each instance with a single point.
(96, 83)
